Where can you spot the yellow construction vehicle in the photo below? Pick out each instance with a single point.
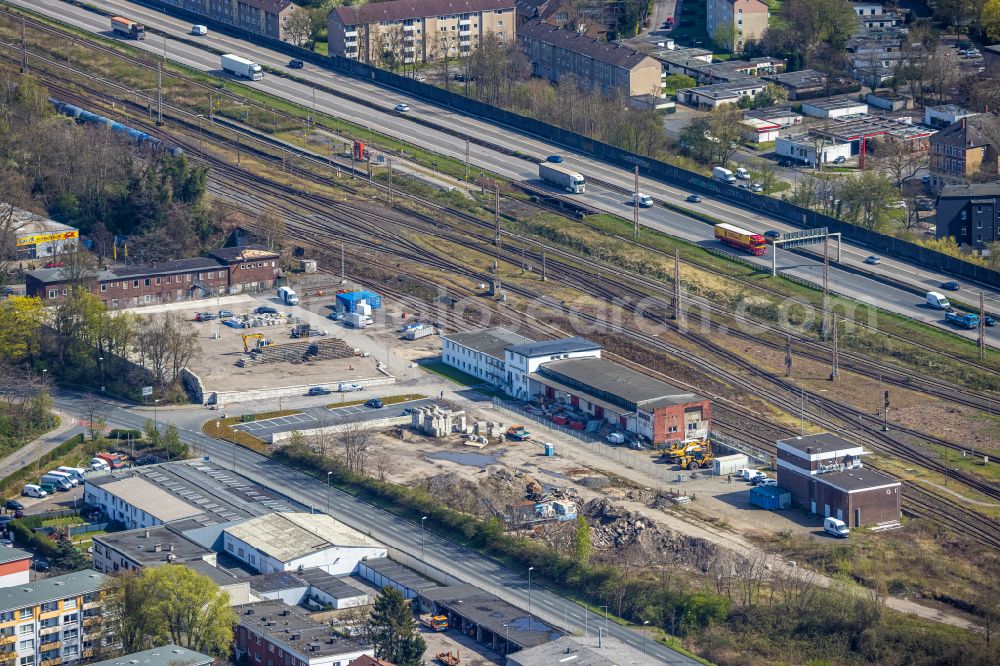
(681, 450)
(259, 337)
(698, 456)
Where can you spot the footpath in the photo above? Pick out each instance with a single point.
(36, 448)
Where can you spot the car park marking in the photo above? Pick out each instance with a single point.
(266, 424)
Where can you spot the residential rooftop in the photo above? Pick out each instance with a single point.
(51, 589)
(612, 53)
(603, 376)
(155, 545)
(489, 341)
(970, 190)
(397, 10)
(288, 536)
(727, 89)
(291, 628)
(168, 655)
(552, 347)
(803, 78)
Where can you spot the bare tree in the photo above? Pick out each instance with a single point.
(750, 575)
(898, 159)
(355, 442)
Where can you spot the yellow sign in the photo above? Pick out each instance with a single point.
(37, 239)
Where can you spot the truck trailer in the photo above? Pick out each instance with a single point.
(237, 66)
(127, 28)
(735, 236)
(563, 177)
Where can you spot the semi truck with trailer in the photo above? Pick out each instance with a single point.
(127, 28)
(564, 177)
(734, 236)
(237, 66)
(723, 175)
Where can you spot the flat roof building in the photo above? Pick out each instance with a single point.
(168, 655)
(384, 572)
(480, 353)
(581, 651)
(267, 628)
(834, 107)
(721, 94)
(290, 541)
(15, 565)
(35, 236)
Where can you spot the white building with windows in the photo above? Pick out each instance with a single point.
(481, 353)
(524, 359)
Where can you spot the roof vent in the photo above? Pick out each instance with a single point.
(249, 611)
(157, 548)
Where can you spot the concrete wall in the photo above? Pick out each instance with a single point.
(221, 398)
(377, 424)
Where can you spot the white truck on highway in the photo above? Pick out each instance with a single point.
(237, 66)
(724, 175)
(564, 177)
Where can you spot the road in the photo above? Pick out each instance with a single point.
(848, 283)
(390, 530)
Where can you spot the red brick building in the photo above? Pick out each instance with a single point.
(228, 270)
(272, 633)
(825, 475)
(634, 401)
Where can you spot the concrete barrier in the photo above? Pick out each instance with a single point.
(211, 397)
(376, 424)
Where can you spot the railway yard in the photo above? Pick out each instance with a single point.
(492, 253)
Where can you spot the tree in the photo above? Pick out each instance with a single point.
(725, 36)
(677, 82)
(763, 172)
(898, 159)
(21, 320)
(866, 198)
(990, 21)
(393, 631)
(68, 557)
(169, 604)
(581, 541)
(993, 260)
(772, 95)
(299, 26)
(724, 125)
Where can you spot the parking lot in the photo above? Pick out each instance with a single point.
(319, 417)
(278, 424)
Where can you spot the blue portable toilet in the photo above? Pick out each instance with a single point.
(550, 449)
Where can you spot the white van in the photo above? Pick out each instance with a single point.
(70, 478)
(742, 173)
(199, 30)
(937, 301)
(31, 490)
(345, 387)
(644, 200)
(99, 465)
(75, 472)
(60, 481)
(836, 527)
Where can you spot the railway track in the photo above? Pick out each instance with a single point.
(362, 226)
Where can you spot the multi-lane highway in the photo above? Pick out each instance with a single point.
(390, 530)
(854, 283)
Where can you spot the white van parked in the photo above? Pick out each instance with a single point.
(70, 478)
(347, 387)
(31, 490)
(836, 527)
(937, 301)
(75, 472)
(99, 465)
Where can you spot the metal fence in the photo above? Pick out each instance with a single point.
(75, 530)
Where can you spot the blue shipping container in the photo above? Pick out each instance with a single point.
(373, 299)
(770, 497)
(348, 302)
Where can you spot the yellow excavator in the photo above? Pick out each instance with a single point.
(697, 456)
(681, 450)
(261, 341)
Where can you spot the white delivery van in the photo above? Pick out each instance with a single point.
(199, 30)
(347, 387)
(644, 200)
(70, 479)
(60, 481)
(31, 490)
(836, 527)
(75, 472)
(937, 301)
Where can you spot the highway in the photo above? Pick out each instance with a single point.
(390, 530)
(850, 283)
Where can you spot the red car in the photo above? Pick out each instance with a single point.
(54, 264)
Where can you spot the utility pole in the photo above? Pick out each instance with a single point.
(211, 107)
(788, 356)
(466, 160)
(390, 183)
(825, 330)
(496, 223)
(677, 284)
(885, 412)
(544, 276)
(343, 274)
(982, 328)
(237, 149)
(835, 370)
(159, 93)
(24, 48)
(312, 114)
(635, 204)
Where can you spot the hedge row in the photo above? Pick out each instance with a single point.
(14, 482)
(23, 535)
(124, 434)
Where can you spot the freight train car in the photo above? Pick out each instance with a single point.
(745, 240)
(135, 136)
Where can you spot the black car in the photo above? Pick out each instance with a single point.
(989, 321)
(951, 285)
(785, 163)
(41, 565)
(207, 316)
(296, 64)
(772, 234)
(13, 505)
(694, 198)
(264, 309)
(318, 390)
(374, 403)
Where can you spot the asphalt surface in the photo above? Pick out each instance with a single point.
(320, 417)
(857, 286)
(390, 530)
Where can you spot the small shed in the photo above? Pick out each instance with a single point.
(770, 497)
(724, 465)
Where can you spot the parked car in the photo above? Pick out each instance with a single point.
(13, 505)
(226, 314)
(206, 316)
(616, 438)
(295, 63)
(401, 108)
(785, 162)
(374, 403)
(318, 390)
(839, 159)
(767, 481)
(773, 234)
(758, 479)
(694, 198)
(265, 309)
(873, 260)
(951, 285)
(925, 204)
(41, 565)
(555, 159)
(421, 77)
(757, 188)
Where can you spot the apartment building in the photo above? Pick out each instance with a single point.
(747, 18)
(261, 17)
(965, 151)
(556, 53)
(970, 214)
(55, 621)
(400, 31)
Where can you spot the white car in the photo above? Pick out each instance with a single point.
(873, 260)
(767, 482)
(616, 438)
(757, 188)
(401, 108)
(753, 474)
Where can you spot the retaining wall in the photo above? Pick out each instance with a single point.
(388, 422)
(221, 398)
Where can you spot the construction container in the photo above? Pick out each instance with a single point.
(357, 320)
(373, 299)
(417, 333)
(724, 465)
(770, 497)
(307, 265)
(363, 308)
(349, 300)
(550, 449)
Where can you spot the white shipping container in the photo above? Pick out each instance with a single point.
(364, 308)
(417, 333)
(356, 319)
(725, 465)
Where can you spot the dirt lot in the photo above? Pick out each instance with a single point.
(472, 653)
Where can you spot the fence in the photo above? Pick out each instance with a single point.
(75, 530)
(649, 167)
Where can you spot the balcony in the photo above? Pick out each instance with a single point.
(8, 638)
(88, 653)
(52, 645)
(92, 604)
(48, 630)
(91, 621)
(55, 661)
(407, 28)
(7, 656)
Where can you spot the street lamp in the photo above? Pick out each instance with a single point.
(506, 644)
(422, 519)
(530, 569)
(605, 607)
(644, 625)
(328, 475)
(156, 425)
(100, 362)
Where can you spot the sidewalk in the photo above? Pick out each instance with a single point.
(35, 449)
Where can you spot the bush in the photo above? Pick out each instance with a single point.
(125, 434)
(12, 484)
(23, 535)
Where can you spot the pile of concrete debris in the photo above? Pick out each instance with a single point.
(614, 528)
